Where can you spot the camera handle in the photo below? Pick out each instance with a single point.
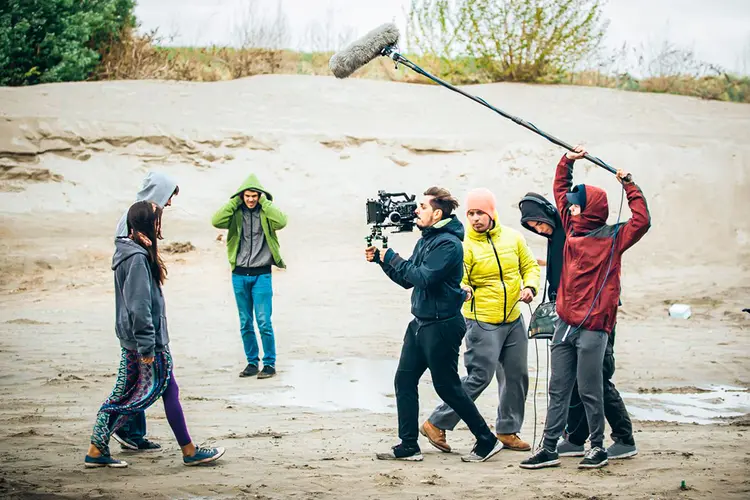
(377, 234)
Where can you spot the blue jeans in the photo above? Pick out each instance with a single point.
(134, 428)
(254, 294)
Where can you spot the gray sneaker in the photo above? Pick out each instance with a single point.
(621, 450)
(567, 449)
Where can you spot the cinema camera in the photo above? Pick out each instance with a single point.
(388, 211)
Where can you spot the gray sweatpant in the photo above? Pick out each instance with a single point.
(578, 357)
(493, 350)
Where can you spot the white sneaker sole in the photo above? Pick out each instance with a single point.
(121, 465)
(207, 460)
(572, 453)
(124, 444)
(594, 466)
(543, 465)
(497, 449)
(624, 455)
(413, 458)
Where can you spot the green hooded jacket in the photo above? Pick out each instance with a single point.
(230, 217)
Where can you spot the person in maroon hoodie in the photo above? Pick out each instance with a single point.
(587, 301)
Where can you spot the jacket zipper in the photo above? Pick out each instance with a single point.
(502, 279)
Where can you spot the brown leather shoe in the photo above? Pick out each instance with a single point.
(513, 442)
(435, 436)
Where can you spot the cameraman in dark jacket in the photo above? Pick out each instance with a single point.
(433, 338)
(540, 216)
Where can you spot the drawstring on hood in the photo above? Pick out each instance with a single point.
(124, 249)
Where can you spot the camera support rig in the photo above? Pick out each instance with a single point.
(386, 211)
(377, 234)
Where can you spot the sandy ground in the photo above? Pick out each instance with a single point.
(72, 157)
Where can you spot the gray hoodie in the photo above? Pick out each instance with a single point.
(156, 187)
(141, 322)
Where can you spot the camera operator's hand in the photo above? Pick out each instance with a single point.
(527, 295)
(371, 254)
(469, 292)
(576, 154)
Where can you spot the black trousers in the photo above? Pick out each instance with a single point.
(434, 345)
(577, 429)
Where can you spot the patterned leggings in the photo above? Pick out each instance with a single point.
(138, 386)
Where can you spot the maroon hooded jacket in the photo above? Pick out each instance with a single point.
(587, 251)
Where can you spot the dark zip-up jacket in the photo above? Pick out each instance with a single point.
(434, 271)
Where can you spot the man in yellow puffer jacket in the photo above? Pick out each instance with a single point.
(500, 271)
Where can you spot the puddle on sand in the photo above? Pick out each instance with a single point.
(367, 384)
(700, 408)
(335, 385)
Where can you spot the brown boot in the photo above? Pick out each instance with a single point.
(435, 436)
(513, 442)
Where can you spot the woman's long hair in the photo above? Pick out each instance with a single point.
(144, 227)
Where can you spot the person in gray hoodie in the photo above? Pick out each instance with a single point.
(145, 372)
(156, 187)
(159, 188)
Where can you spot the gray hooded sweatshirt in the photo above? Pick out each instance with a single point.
(141, 322)
(156, 187)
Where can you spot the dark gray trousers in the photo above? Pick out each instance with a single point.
(576, 355)
(493, 351)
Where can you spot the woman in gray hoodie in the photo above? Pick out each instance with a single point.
(145, 372)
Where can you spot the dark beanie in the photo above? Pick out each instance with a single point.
(577, 196)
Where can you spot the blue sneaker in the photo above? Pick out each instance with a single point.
(204, 456)
(104, 461)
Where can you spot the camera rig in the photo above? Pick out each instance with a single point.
(387, 211)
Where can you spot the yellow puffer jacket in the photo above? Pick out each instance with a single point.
(491, 302)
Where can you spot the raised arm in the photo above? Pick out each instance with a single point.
(276, 218)
(221, 218)
(563, 182)
(640, 222)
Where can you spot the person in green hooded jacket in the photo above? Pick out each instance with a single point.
(252, 220)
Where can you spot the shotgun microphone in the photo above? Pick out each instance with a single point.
(363, 50)
(383, 40)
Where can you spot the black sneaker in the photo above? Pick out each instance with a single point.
(250, 370)
(483, 453)
(125, 442)
(146, 445)
(596, 457)
(541, 459)
(267, 372)
(402, 452)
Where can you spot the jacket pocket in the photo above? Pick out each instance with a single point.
(163, 337)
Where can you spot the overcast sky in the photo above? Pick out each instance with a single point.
(718, 31)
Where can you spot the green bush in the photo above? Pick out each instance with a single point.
(45, 41)
(516, 40)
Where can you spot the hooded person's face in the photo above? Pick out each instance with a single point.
(480, 221)
(251, 198)
(594, 213)
(541, 227)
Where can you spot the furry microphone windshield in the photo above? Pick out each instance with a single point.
(364, 50)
